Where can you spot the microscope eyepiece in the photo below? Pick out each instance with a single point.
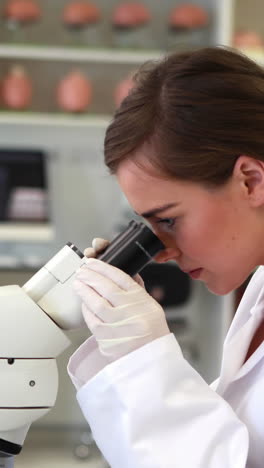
(132, 249)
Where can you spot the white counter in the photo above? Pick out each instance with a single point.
(50, 448)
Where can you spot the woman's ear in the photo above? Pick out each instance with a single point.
(250, 174)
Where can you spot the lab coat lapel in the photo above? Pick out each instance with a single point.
(238, 340)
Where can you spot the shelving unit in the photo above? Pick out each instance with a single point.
(105, 65)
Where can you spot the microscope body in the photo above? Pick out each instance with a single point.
(31, 337)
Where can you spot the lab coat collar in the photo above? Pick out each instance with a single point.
(247, 319)
(249, 305)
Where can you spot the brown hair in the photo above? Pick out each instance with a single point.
(200, 110)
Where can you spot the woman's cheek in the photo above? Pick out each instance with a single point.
(170, 240)
(159, 257)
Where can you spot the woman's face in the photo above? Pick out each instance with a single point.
(212, 234)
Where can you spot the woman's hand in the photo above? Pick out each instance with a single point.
(98, 245)
(119, 312)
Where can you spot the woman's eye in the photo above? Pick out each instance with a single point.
(167, 222)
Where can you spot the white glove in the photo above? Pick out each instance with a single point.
(121, 315)
(98, 245)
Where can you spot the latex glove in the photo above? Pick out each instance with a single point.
(98, 245)
(121, 315)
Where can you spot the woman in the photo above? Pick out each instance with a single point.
(187, 149)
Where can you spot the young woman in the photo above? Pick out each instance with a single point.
(187, 148)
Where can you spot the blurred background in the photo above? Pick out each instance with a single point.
(65, 67)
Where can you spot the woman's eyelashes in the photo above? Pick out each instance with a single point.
(165, 223)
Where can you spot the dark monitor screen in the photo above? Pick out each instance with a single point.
(23, 185)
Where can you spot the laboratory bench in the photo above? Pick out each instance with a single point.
(59, 448)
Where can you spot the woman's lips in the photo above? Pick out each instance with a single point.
(195, 274)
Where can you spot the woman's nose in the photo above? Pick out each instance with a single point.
(167, 254)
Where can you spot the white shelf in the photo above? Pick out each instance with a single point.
(53, 119)
(33, 232)
(77, 55)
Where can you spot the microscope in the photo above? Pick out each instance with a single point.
(34, 320)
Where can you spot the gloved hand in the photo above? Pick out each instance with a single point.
(98, 245)
(121, 315)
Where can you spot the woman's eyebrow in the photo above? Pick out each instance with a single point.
(154, 211)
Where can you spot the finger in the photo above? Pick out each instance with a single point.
(91, 320)
(103, 286)
(139, 280)
(97, 304)
(89, 252)
(99, 244)
(123, 280)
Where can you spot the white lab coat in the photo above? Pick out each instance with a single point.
(151, 409)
